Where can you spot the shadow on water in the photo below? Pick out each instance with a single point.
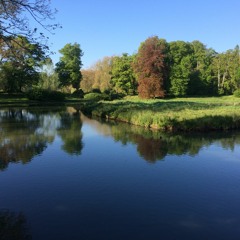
(25, 133)
(13, 226)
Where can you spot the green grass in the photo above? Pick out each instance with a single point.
(178, 114)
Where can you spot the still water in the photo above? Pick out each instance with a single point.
(65, 176)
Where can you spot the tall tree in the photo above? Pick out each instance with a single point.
(48, 76)
(102, 69)
(226, 67)
(122, 76)
(150, 68)
(181, 61)
(19, 64)
(68, 68)
(87, 82)
(201, 78)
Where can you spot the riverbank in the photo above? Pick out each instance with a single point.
(19, 99)
(178, 114)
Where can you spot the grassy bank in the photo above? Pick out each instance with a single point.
(20, 99)
(181, 114)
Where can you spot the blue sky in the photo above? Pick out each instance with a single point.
(112, 27)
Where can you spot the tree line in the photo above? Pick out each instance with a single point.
(25, 66)
(161, 69)
(158, 69)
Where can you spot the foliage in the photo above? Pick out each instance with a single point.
(122, 76)
(68, 68)
(102, 77)
(87, 82)
(18, 70)
(45, 95)
(48, 78)
(181, 66)
(162, 69)
(15, 18)
(78, 93)
(226, 67)
(150, 68)
(237, 93)
(96, 96)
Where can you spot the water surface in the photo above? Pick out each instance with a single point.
(65, 176)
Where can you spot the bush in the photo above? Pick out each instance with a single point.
(45, 95)
(237, 93)
(96, 96)
(78, 93)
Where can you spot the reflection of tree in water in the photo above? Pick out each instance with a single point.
(70, 132)
(151, 149)
(155, 145)
(19, 140)
(25, 133)
(13, 226)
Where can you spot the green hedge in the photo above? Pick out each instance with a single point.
(45, 95)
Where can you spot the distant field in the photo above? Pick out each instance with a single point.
(178, 114)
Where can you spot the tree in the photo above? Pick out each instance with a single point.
(16, 15)
(150, 68)
(48, 77)
(68, 68)
(201, 78)
(226, 67)
(87, 82)
(122, 76)
(181, 61)
(102, 69)
(19, 64)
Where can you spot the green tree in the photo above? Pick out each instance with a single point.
(48, 77)
(150, 68)
(201, 78)
(122, 76)
(19, 64)
(68, 68)
(181, 61)
(226, 68)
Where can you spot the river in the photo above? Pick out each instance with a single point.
(66, 176)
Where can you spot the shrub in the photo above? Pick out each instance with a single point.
(237, 93)
(78, 93)
(96, 96)
(45, 95)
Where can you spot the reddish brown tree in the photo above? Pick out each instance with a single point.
(150, 68)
